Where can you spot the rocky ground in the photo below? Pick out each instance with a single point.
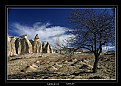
(56, 66)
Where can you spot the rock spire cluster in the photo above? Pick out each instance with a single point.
(23, 45)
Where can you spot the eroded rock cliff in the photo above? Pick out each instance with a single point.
(23, 45)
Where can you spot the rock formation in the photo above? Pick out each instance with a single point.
(22, 45)
(47, 48)
(11, 46)
(18, 46)
(26, 46)
(37, 45)
(44, 49)
(51, 49)
(8, 46)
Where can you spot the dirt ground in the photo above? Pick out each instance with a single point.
(57, 66)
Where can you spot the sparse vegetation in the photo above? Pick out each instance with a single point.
(56, 66)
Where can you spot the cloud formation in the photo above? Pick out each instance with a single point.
(46, 32)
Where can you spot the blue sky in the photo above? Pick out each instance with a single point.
(47, 22)
(56, 17)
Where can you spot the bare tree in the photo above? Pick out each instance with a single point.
(58, 44)
(92, 28)
(69, 51)
(64, 47)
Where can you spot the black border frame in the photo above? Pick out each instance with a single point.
(62, 81)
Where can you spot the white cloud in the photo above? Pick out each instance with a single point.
(45, 31)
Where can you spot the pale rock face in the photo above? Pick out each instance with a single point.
(44, 48)
(37, 45)
(26, 46)
(22, 45)
(18, 46)
(29, 46)
(47, 48)
(8, 46)
(11, 46)
(45, 43)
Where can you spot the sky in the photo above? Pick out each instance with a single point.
(48, 23)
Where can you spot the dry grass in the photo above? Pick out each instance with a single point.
(56, 66)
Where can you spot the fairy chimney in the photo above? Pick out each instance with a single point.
(26, 46)
(37, 45)
(18, 46)
(11, 46)
(47, 48)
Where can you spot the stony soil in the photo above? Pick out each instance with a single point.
(56, 66)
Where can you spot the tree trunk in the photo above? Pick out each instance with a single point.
(95, 63)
